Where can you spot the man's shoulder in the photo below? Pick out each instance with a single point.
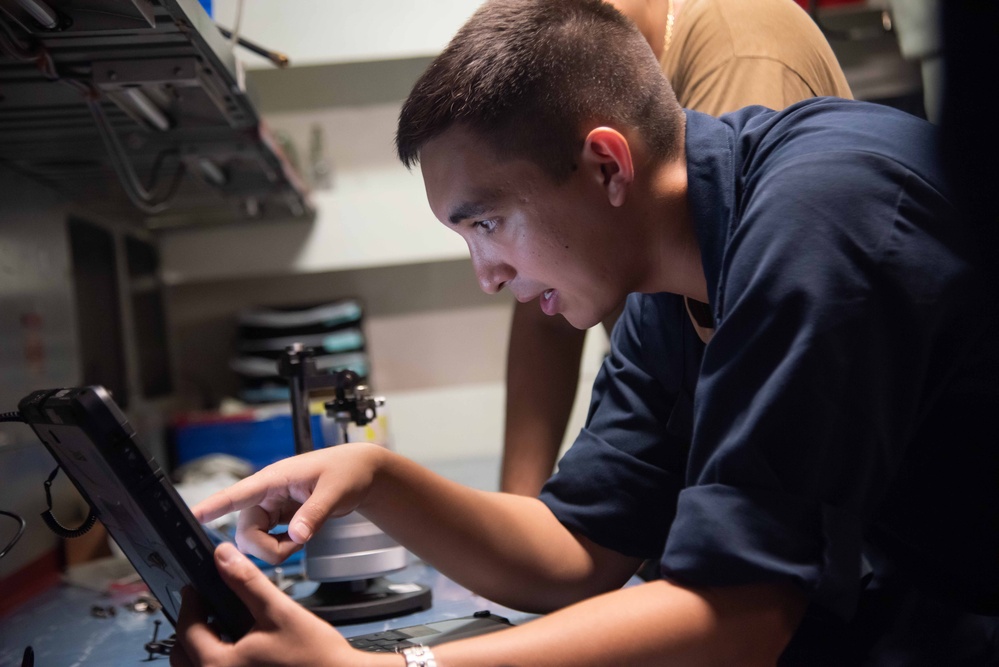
(834, 130)
(825, 111)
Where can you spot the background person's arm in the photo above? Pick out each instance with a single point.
(542, 374)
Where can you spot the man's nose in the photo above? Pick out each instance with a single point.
(492, 274)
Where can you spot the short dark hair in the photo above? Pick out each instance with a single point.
(526, 75)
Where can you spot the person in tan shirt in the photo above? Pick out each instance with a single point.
(719, 56)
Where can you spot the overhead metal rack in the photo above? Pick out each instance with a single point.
(137, 108)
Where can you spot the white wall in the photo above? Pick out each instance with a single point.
(375, 214)
(314, 32)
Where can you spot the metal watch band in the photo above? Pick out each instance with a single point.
(419, 656)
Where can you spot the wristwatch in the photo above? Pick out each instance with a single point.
(419, 656)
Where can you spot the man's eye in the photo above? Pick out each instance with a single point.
(486, 225)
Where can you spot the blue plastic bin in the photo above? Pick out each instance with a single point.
(259, 441)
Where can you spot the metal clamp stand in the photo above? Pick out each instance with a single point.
(347, 554)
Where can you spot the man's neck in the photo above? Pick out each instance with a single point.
(673, 254)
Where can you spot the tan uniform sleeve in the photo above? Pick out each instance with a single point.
(743, 82)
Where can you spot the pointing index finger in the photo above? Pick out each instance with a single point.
(244, 493)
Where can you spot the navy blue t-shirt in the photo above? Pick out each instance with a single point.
(840, 430)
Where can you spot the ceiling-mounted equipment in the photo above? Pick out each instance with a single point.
(137, 107)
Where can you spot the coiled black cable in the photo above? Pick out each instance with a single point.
(53, 523)
(47, 516)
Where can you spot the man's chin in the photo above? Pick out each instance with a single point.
(580, 322)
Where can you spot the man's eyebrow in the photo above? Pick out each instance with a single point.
(473, 209)
(466, 210)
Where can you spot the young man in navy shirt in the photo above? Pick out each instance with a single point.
(818, 481)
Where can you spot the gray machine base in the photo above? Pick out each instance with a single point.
(367, 600)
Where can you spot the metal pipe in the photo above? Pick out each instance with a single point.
(149, 111)
(300, 422)
(41, 12)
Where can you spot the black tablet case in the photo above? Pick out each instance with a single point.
(96, 447)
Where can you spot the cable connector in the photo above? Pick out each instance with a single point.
(11, 417)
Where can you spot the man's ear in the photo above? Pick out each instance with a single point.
(607, 155)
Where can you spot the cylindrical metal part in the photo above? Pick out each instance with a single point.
(349, 548)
